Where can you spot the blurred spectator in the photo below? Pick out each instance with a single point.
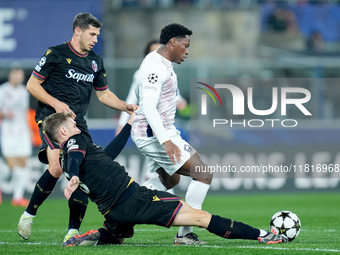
(16, 142)
(315, 41)
(282, 20)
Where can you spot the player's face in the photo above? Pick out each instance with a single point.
(88, 38)
(72, 127)
(181, 49)
(16, 77)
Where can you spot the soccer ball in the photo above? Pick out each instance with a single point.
(286, 223)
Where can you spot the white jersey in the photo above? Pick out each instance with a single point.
(157, 83)
(16, 129)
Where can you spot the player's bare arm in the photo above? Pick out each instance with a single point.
(108, 98)
(35, 88)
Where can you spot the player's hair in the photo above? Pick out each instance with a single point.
(84, 19)
(52, 123)
(148, 46)
(173, 30)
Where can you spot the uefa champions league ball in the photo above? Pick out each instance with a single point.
(286, 223)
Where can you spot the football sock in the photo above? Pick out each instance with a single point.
(231, 229)
(42, 190)
(155, 183)
(107, 238)
(194, 197)
(77, 204)
(20, 179)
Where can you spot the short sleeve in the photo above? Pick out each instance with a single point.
(152, 79)
(100, 82)
(45, 65)
(76, 143)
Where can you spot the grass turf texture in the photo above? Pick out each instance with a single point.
(318, 212)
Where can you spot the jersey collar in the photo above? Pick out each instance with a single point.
(76, 52)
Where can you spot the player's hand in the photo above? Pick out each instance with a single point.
(130, 108)
(71, 187)
(133, 114)
(62, 107)
(173, 151)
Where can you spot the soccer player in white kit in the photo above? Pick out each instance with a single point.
(16, 143)
(151, 46)
(153, 129)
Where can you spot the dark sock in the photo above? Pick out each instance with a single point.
(107, 238)
(231, 229)
(42, 190)
(77, 204)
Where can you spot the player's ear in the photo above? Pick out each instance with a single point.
(173, 41)
(63, 131)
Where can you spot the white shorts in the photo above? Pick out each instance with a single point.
(157, 157)
(16, 146)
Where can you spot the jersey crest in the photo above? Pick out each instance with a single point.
(94, 66)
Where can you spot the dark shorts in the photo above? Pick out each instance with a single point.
(47, 142)
(145, 206)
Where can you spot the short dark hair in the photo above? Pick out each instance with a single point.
(148, 46)
(84, 19)
(173, 30)
(52, 123)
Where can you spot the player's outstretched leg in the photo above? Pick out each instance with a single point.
(224, 227)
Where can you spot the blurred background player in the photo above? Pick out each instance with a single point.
(16, 144)
(152, 45)
(153, 130)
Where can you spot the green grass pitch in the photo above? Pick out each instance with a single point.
(318, 212)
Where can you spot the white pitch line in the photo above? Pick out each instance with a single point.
(156, 230)
(198, 246)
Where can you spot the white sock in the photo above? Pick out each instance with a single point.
(20, 179)
(155, 183)
(263, 232)
(71, 230)
(28, 215)
(194, 197)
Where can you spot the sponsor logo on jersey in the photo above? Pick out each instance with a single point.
(68, 60)
(150, 87)
(155, 198)
(72, 74)
(94, 66)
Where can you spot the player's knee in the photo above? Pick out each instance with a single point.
(204, 177)
(55, 170)
(202, 218)
(170, 181)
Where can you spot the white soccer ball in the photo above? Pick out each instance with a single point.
(286, 223)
